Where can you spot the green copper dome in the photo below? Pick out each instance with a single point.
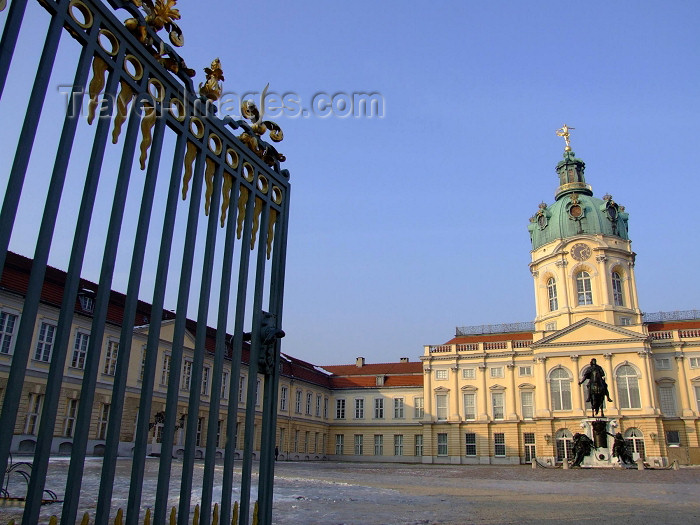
(575, 210)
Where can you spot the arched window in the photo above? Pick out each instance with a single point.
(565, 445)
(560, 389)
(635, 441)
(627, 387)
(618, 298)
(552, 293)
(583, 288)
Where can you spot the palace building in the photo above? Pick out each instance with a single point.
(490, 395)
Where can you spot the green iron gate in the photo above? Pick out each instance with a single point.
(129, 76)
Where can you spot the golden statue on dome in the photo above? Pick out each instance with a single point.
(564, 132)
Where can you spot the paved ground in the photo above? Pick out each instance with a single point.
(328, 493)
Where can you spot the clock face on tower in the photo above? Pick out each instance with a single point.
(580, 251)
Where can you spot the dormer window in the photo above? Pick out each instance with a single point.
(87, 300)
(380, 380)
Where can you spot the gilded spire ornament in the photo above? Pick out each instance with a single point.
(259, 127)
(212, 87)
(564, 132)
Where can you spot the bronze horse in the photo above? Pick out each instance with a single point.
(597, 388)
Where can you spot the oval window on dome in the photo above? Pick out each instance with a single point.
(576, 211)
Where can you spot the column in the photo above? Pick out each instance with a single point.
(428, 394)
(454, 399)
(513, 414)
(563, 292)
(610, 379)
(647, 382)
(687, 411)
(578, 400)
(483, 395)
(541, 392)
(605, 282)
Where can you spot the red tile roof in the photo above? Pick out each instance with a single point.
(673, 325)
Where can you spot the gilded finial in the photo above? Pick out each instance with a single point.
(564, 132)
(212, 87)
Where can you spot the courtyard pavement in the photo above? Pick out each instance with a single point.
(331, 493)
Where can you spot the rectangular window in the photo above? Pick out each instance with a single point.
(309, 399)
(102, 420)
(186, 375)
(625, 321)
(378, 445)
(219, 426)
(325, 408)
(442, 444)
(7, 331)
(379, 408)
(257, 392)
(339, 440)
(297, 402)
(550, 326)
(306, 441)
(470, 406)
(496, 372)
(497, 404)
(499, 440)
(71, 415)
(695, 362)
(470, 444)
(200, 428)
(143, 363)
(296, 441)
(697, 397)
(224, 384)
(340, 409)
(529, 442)
(469, 373)
(440, 375)
(205, 381)
(525, 371)
(398, 444)
(319, 397)
(398, 408)
(44, 344)
(283, 398)
(111, 358)
(359, 408)
(419, 445)
(358, 444)
(418, 407)
(31, 425)
(441, 407)
(673, 438)
(667, 400)
(241, 388)
(526, 404)
(663, 363)
(79, 350)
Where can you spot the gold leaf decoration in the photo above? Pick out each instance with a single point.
(96, 86)
(146, 127)
(126, 94)
(209, 181)
(259, 127)
(190, 155)
(256, 221)
(271, 230)
(242, 199)
(225, 195)
(212, 87)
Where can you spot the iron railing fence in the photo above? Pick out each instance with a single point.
(130, 76)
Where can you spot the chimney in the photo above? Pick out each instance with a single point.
(360, 362)
(403, 360)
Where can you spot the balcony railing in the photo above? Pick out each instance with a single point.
(528, 326)
(476, 347)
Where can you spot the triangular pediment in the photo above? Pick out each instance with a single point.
(590, 331)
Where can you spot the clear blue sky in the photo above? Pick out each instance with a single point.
(406, 226)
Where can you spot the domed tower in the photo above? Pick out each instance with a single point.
(582, 258)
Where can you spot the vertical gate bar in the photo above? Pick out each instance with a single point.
(199, 351)
(236, 357)
(253, 367)
(166, 241)
(267, 466)
(36, 278)
(173, 395)
(127, 329)
(9, 39)
(92, 360)
(220, 349)
(15, 182)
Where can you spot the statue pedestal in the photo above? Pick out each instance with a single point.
(598, 429)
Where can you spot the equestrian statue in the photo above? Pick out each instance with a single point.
(597, 388)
